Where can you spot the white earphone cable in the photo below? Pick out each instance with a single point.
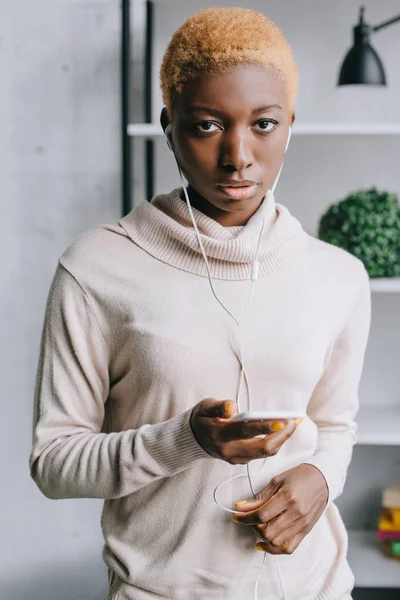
(243, 375)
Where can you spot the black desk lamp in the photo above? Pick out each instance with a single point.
(362, 65)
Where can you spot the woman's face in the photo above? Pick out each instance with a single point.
(231, 127)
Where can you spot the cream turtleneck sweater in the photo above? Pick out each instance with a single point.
(133, 339)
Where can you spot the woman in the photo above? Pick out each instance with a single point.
(140, 366)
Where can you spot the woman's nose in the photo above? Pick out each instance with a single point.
(236, 151)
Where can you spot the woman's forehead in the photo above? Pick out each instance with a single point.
(242, 88)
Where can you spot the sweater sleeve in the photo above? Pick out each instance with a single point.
(71, 457)
(334, 402)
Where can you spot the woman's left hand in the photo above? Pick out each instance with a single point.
(286, 509)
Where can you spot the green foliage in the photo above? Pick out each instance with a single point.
(366, 224)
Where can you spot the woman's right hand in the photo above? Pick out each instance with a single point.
(236, 442)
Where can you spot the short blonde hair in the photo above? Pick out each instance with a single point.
(216, 38)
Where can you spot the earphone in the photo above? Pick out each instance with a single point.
(168, 135)
(288, 139)
(238, 322)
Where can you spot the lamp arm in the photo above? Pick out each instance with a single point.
(386, 23)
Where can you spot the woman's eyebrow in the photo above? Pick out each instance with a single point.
(214, 111)
(266, 107)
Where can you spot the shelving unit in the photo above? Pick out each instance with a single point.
(371, 569)
(378, 425)
(386, 285)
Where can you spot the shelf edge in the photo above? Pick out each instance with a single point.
(154, 129)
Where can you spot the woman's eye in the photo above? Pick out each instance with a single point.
(205, 127)
(264, 126)
(267, 125)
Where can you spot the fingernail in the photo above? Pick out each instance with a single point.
(228, 406)
(298, 421)
(259, 547)
(278, 426)
(235, 518)
(241, 502)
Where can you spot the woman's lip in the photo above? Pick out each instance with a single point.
(239, 193)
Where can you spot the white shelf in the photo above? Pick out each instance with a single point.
(371, 569)
(385, 285)
(154, 129)
(346, 129)
(378, 426)
(144, 129)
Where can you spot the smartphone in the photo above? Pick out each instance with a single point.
(271, 415)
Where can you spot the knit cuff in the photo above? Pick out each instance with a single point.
(323, 463)
(172, 444)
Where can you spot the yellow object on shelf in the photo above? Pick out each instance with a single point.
(389, 519)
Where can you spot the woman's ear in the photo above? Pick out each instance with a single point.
(164, 119)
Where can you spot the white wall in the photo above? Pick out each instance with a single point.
(60, 175)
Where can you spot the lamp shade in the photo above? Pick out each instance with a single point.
(362, 65)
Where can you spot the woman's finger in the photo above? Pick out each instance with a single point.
(210, 408)
(250, 429)
(251, 449)
(281, 529)
(265, 513)
(287, 548)
(241, 451)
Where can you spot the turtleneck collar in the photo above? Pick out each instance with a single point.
(163, 228)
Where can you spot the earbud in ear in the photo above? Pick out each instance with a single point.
(289, 136)
(168, 135)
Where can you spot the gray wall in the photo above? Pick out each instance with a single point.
(60, 175)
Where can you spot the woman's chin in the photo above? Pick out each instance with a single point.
(243, 205)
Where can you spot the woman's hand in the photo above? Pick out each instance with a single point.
(236, 442)
(286, 509)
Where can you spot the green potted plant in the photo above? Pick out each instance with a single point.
(367, 224)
